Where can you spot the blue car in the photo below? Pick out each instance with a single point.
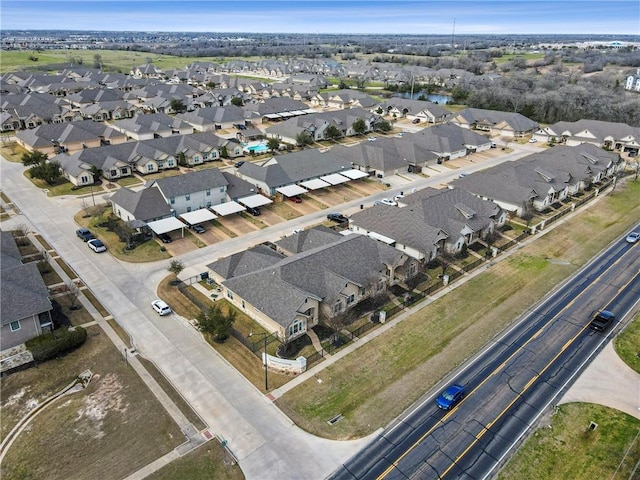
(452, 395)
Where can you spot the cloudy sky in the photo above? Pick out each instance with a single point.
(615, 17)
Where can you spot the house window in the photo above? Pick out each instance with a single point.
(350, 299)
(221, 189)
(242, 303)
(229, 294)
(188, 209)
(208, 192)
(205, 156)
(187, 197)
(411, 271)
(296, 327)
(150, 167)
(84, 179)
(114, 173)
(15, 326)
(337, 307)
(172, 200)
(170, 162)
(208, 204)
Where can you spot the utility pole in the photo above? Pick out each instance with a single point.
(453, 32)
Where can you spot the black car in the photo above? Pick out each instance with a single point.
(165, 237)
(255, 211)
(337, 217)
(239, 164)
(198, 228)
(84, 234)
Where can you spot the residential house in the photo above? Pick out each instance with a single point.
(214, 118)
(146, 205)
(152, 125)
(147, 70)
(341, 99)
(296, 293)
(424, 112)
(632, 82)
(493, 122)
(449, 141)
(387, 156)
(291, 169)
(194, 190)
(609, 135)
(307, 240)
(275, 109)
(25, 305)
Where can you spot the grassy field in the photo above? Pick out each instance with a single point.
(412, 357)
(208, 462)
(12, 152)
(627, 344)
(116, 425)
(570, 451)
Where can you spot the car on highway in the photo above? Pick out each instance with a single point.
(337, 217)
(84, 234)
(450, 396)
(633, 237)
(161, 307)
(97, 245)
(602, 320)
(389, 201)
(198, 228)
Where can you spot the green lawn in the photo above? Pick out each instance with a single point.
(12, 151)
(627, 344)
(208, 462)
(570, 451)
(412, 357)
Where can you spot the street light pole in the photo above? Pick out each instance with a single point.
(266, 378)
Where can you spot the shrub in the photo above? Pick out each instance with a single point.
(58, 342)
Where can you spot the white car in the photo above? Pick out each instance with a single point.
(390, 202)
(161, 307)
(633, 237)
(532, 140)
(97, 245)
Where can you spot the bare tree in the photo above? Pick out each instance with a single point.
(72, 294)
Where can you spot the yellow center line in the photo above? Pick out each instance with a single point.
(494, 372)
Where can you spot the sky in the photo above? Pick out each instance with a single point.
(614, 17)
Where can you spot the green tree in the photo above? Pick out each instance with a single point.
(304, 138)
(224, 152)
(182, 161)
(273, 144)
(175, 267)
(383, 126)
(177, 105)
(48, 171)
(97, 61)
(216, 323)
(359, 126)
(237, 101)
(211, 84)
(332, 132)
(33, 158)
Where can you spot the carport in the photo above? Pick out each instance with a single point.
(227, 208)
(291, 190)
(198, 216)
(354, 174)
(255, 201)
(314, 184)
(335, 179)
(166, 225)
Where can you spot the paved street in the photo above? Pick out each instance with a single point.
(265, 442)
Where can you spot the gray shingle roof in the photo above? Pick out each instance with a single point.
(146, 204)
(308, 239)
(23, 293)
(190, 182)
(516, 121)
(250, 260)
(9, 252)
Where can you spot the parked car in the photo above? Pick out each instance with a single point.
(161, 307)
(389, 201)
(398, 196)
(255, 211)
(377, 202)
(84, 234)
(198, 228)
(97, 245)
(297, 230)
(532, 140)
(415, 120)
(165, 238)
(494, 145)
(602, 320)
(633, 237)
(337, 217)
(450, 397)
(371, 139)
(238, 164)
(295, 199)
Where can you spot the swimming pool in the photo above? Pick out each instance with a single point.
(260, 148)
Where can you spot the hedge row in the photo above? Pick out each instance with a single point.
(51, 345)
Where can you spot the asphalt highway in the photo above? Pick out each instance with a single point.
(510, 384)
